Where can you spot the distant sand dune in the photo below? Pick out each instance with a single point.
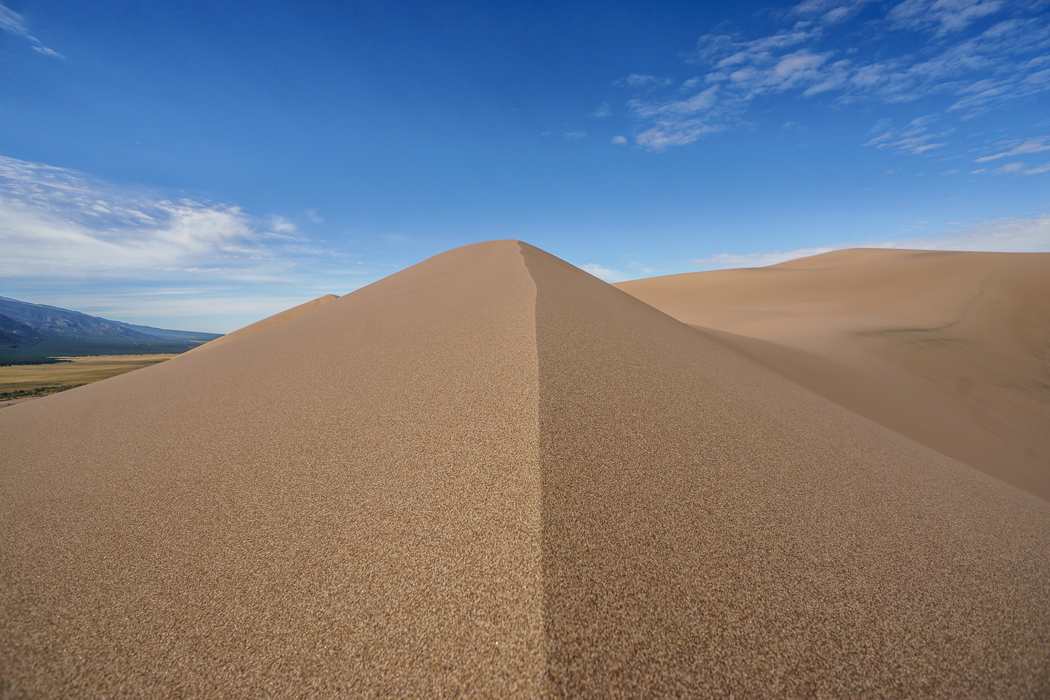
(950, 349)
(493, 475)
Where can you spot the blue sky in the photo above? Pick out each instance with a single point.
(201, 165)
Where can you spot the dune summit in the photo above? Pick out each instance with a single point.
(493, 475)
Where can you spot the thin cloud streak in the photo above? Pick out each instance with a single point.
(1010, 235)
(1023, 148)
(12, 22)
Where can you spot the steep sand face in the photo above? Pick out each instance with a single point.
(950, 349)
(269, 321)
(494, 475)
(346, 503)
(710, 527)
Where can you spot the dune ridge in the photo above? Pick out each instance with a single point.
(493, 475)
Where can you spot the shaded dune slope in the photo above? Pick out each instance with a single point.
(710, 526)
(492, 474)
(951, 349)
(270, 321)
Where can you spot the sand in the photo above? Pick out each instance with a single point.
(269, 321)
(951, 349)
(493, 475)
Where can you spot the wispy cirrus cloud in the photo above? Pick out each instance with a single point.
(829, 11)
(1017, 148)
(1009, 235)
(914, 138)
(976, 54)
(56, 222)
(941, 16)
(12, 22)
(74, 241)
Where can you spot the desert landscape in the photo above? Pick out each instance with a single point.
(492, 474)
(628, 349)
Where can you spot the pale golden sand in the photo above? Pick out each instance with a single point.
(493, 475)
(269, 321)
(950, 349)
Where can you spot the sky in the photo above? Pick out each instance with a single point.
(202, 165)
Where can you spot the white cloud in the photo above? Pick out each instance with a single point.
(60, 223)
(941, 15)
(576, 135)
(602, 111)
(829, 11)
(966, 54)
(1020, 148)
(605, 273)
(913, 138)
(619, 140)
(1015, 168)
(1009, 235)
(12, 22)
(638, 80)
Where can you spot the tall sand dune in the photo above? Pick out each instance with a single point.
(493, 475)
(270, 321)
(951, 349)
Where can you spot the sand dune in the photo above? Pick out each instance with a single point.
(269, 321)
(494, 475)
(950, 349)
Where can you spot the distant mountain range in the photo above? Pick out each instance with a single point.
(35, 331)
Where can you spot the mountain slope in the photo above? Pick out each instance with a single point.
(492, 474)
(950, 349)
(38, 330)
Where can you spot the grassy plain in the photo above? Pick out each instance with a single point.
(18, 381)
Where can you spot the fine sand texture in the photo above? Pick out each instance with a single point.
(269, 321)
(345, 503)
(493, 475)
(951, 349)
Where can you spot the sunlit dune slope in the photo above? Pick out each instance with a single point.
(494, 475)
(951, 349)
(270, 321)
(347, 502)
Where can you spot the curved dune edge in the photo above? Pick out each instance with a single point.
(492, 474)
(269, 322)
(947, 348)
